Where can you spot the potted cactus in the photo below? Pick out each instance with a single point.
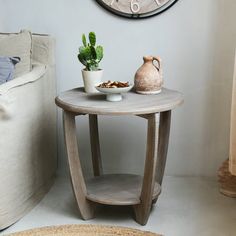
(90, 56)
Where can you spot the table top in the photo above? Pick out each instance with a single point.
(77, 101)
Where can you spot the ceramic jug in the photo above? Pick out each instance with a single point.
(148, 78)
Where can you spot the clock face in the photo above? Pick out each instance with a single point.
(137, 8)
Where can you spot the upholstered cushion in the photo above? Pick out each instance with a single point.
(17, 45)
(7, 68)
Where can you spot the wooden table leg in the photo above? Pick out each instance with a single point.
(157, 147)
(164, 134)
(86, 207)
(142, 210)
(95, 146)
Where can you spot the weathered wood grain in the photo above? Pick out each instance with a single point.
(142, 210)
(86, 208)
(164, 133)
(163, 142)
(140, 192)
(95, 145)
(117, 189)
(76, 100)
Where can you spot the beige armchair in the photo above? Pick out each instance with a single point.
(28, 151)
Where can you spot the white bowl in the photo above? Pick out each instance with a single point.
(114, 94)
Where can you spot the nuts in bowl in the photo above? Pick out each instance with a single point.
(114, 89)
(114, 84)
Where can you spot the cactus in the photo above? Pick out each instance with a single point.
(90, 55)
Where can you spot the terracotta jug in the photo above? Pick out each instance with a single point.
(148, 78)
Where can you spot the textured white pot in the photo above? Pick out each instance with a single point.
(91, 80)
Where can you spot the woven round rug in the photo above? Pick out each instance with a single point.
(84, 230)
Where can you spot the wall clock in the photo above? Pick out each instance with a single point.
(137, 8)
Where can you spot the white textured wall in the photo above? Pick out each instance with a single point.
(2, 17)
(196, 41)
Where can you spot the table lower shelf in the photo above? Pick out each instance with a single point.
(117, 189)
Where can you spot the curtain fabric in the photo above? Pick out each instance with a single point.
(232, 156)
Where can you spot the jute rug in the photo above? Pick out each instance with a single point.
(84, 230)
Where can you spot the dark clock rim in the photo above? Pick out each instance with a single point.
(141, 16)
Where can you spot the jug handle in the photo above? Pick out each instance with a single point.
(158, 59)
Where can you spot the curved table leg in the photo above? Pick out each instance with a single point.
(157, 147)
(142, 210)
(164, 134)
(86, 208)
(95, 146)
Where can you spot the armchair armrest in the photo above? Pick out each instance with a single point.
(37, 72)
(43, 49)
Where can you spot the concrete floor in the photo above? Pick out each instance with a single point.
(186, 207)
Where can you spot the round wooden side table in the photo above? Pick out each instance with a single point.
(118, 189)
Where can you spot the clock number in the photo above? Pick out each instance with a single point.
(135, 7)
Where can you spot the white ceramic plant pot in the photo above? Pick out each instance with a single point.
(91, 80)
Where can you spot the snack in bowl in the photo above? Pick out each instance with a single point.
(114, 89)
(114, 84)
